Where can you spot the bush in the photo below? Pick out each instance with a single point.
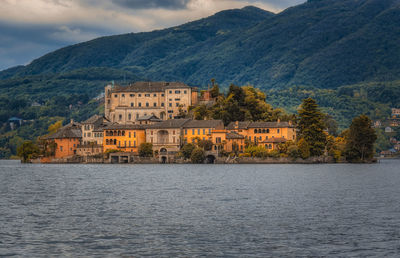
(256, 151)
(146, 150)
(205, 144)
(304, 148)
(274, 154)
(27, 151)
(187, 150)
(198, 156)
(244, 155)
(293, 151)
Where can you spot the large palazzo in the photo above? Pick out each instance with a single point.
(166, 100)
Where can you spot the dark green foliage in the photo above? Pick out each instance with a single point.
(27, 151)
(311, 126)
(187, 150)
(360, 140)
(198, 156)
(146, 149)
(303, 148)
(205, 144)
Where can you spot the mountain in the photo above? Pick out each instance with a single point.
(321, 43)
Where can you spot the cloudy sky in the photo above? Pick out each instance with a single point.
(31, 28)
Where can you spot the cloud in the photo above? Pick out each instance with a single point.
(29, 29)
(151, 4)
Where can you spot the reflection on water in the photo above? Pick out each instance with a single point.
(192, 210)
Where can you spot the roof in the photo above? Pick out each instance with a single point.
(116, 126)
(71, 130)
(171, 123)
(234, 135)
(275, 140)
(93, 119)
(151, 87)
(203, 124)
(14, 119)
(248, 124)
(149, 118)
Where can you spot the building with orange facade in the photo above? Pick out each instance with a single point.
(65, 141)
(267, 134)
(195, 130)
(229, 141)
(125, 138)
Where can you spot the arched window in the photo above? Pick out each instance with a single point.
(267, 130)
(119, 133)
(259, 131)
(123, 133)
(270, 146)
(255, 130)
(106, 141)
(263, 130)
(115, 141)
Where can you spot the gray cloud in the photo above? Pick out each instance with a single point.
(145, 4)
(30, 29)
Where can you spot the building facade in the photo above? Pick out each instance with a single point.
(165, 100)
(92, 136)
(123, 138)
(66, 140)
(195, 130)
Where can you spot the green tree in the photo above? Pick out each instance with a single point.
(187, 150)
(54, 127)
(205, 144)
(303, 148)
(360, 140)
(198, 156)
(27, 151)
(311, 126)
(146, 150)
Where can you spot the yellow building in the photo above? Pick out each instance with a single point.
(164, 100)
(195, 130)
(268, 134)
(227, 141)
(125, 138)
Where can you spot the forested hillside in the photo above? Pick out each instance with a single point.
(343, 53)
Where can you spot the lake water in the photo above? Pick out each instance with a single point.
(335, 210)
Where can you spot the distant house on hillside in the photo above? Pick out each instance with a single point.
(396, 112)
(15, 122)
(389, 130)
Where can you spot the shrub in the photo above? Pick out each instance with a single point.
(304, 148)
(146, 150)
(198, 156)
(205, 144)
(245, 155)
(187, 150)
(274, 154)
(293, 151)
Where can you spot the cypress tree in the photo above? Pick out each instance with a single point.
(311, 126)
(360, 140)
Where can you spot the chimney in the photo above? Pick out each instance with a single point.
(236, 124)
(279, 120)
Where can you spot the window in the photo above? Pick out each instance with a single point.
(147, 95)
(132, 95)
(151, 132)
(125, 143)
(177, 99)
(140, 104)
(263, 131)
(132, 104)
(267, 130)
(278, 130)
(185, 91)
(154, 95)
(84, 134)
(177, 104)
(120, 117)
(177, 92)
(193, 132)
(170, 104)
(270, 146)
(170, 116)
(123, 95)
(134, 144)
(154, 104)
(129, 136)
(162, 104)
(115, 96)
(108, 101)
(185, 131)
(134, 134)
(129, 143)
(89, 135)
(170, 92)
(209, 131)
(147, 104)
(255, 130)
(139, 95)
(266, 137)
(260, 138)
(218, 140)
(61, 148)
(204, 131)
(173, 132)
(162, 94)
(173, 139)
